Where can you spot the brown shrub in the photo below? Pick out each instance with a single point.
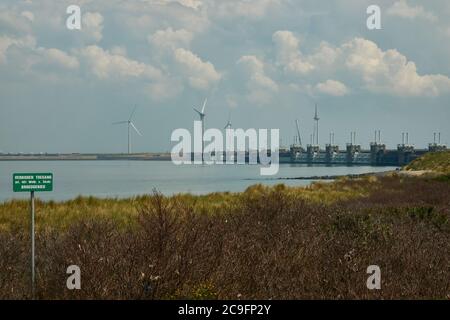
(268, 244)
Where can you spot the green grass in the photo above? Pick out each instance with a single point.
(14, 214)
(438, 162)
(275, 242)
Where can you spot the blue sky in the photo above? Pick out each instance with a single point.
(265, 61)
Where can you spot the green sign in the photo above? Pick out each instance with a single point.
(27, 182)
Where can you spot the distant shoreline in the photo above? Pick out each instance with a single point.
(86, 157)
(334, 177)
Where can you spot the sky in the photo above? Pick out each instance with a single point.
(264, 62)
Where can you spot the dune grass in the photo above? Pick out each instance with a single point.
(437, 162)
(265, 243)
(14, 214)
(277, 242)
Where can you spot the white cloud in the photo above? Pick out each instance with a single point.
(27, 14)
(332, 87)
(260, 86)
(6, 42)
(244, 8)
(93, 25)
(165, 88)
(143, 17)
(288, 53)
(325, 56)
(192, 4)
(171, 39)
(12, 21)
(22, 55)
(119, 50)
(104, 65)
(390, 71)
(385, 72)
(403, 9)
(58, 58)
(201, 75)
(173, 24)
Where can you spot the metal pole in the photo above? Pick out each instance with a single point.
(317, 135)
(129, 148)
(32, 247)
(203, 142)
(313, 136)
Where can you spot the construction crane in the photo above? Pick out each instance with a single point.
(298, 132)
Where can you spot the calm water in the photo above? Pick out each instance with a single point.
(128, 178)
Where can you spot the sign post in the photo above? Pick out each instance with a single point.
(32, 244)
(31, 182)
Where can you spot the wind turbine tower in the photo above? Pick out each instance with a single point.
(228, 125)
(316, 128)
(202, 119)
(130, 125)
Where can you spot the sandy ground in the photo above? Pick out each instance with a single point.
(417, 173)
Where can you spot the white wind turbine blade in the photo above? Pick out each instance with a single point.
(200, 113)
(135, 129)
(228, 125)
(204, 105)
(132, 113)
(120, 122)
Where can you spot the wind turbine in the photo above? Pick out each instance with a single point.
(316, 128)
(130, 124)
(202, 119)
(228, 125)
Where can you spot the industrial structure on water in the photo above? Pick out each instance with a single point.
(376, 155)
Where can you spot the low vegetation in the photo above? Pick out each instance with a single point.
(277, 242)
(265, 243)
(124, 212)
(438, 162)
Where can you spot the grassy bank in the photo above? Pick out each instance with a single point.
(438, 162)
(268, 242)
(265, 243)
(124, 212)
